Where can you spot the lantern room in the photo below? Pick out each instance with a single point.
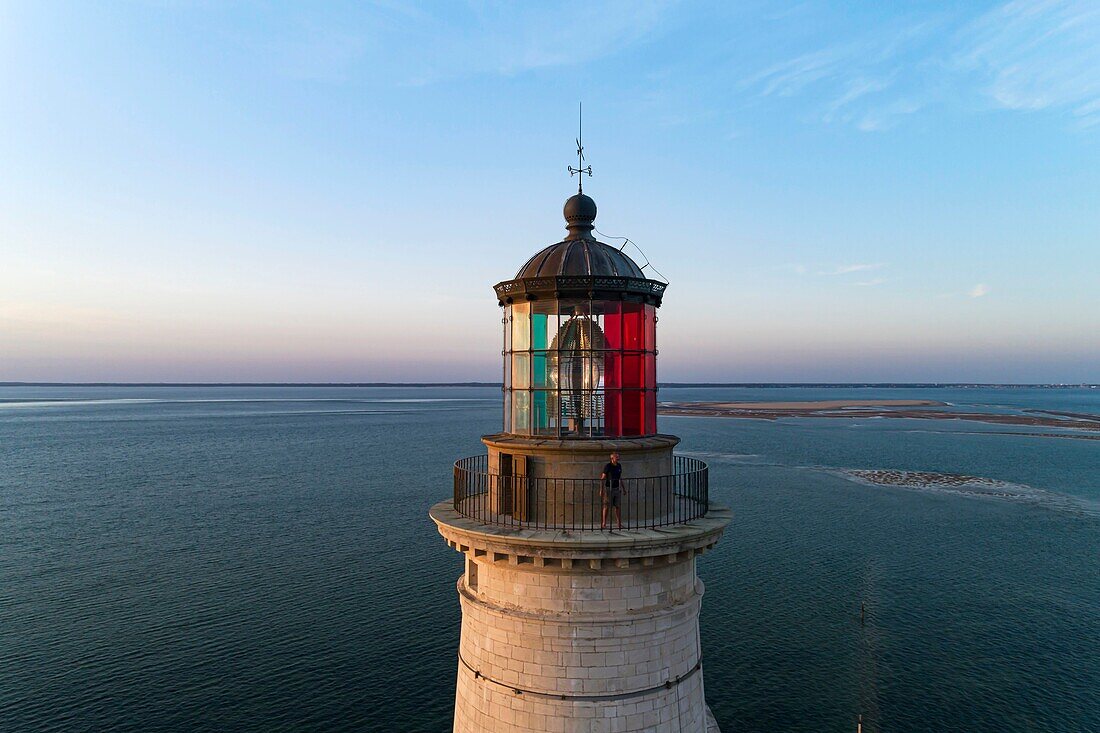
(580, 352)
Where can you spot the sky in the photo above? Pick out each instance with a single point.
(326, 192)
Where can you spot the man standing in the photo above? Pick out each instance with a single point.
(611, 492)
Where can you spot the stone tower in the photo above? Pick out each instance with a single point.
(567, 626)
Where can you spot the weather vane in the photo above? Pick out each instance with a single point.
(580, 152)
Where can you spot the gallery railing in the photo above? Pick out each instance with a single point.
(535, 502)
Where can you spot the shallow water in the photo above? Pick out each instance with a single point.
(258, 559)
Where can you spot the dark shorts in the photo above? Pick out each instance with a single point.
(611, 495)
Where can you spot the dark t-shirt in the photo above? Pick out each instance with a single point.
(612, 473)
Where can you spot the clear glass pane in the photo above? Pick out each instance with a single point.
(574, 307)
(521, 326)
(521, 412)
(521, 370)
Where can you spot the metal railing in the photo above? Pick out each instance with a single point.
(535, 502)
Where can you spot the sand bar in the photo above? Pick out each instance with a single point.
(815, 404)
(912, 409)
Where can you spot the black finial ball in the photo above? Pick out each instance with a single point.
(580, 209)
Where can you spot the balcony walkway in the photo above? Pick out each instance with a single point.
(576, 504)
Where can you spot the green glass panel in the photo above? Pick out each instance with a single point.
(541, 418)
(538, 331)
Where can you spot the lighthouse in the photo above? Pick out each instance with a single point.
(569, 622)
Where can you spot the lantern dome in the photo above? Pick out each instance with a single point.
(580, 258)
(580, 266)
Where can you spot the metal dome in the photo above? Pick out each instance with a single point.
(580, 266)
(580, 258)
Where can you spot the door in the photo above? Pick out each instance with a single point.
(521, 489)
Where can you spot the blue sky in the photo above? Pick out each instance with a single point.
(327, 191)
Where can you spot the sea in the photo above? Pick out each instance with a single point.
(261, 559)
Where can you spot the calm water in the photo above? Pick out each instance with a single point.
(260, 559)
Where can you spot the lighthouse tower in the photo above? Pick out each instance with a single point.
(567, 625)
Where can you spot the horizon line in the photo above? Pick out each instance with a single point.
(499, 384)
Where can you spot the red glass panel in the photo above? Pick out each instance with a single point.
(633, 325)
(650, 371)
(633, 374)
(633, 423)
(613, 416)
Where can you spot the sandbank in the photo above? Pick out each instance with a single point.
(815, 404)
(912, 409)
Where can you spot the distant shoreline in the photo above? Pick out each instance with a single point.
(849, 409)
(672, 385)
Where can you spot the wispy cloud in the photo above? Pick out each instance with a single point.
(451, 41)
(856, 89)
(885, 117)
(1038, 54)
(1022, 55)
(872, 282)
(979, 291)
(845, 269)
(859, 80)
(790, 77)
